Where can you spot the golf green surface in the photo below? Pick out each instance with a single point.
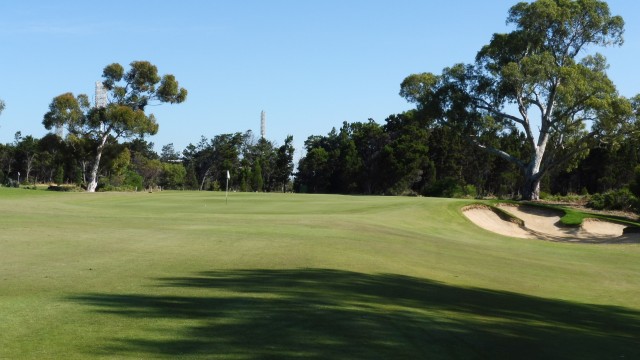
(292, 276)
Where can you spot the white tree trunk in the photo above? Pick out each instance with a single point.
(93, 181)
(533, 173)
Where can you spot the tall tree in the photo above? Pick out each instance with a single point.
(284, 162)
(265, 155)
(404, 163)
(50, 159)
(124, 116)
(79, 151)
(26, 153)
(7, 159)
(532, 79)
(169, 154)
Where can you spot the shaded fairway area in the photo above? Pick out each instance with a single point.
(284, 276)
(330, 314)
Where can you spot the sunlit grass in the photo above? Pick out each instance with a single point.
(183, 274)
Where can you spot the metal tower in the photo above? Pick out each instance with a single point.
(263, 124)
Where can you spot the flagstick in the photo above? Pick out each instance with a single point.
(226, 196)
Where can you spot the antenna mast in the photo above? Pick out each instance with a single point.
(263, 124)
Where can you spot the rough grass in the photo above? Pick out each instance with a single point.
(182, 275)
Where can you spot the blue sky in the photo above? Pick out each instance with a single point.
(310, 65)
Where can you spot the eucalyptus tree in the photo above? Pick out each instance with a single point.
(538, 80)
(124, 116)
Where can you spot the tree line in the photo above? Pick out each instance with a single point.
(410, 154)
(255, 165)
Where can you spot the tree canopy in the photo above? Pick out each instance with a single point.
(532, 80)
(124, 115)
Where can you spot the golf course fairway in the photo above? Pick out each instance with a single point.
(187, 275)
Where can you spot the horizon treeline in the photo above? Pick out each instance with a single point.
(411, 155)
(406, 155)
(253, 164)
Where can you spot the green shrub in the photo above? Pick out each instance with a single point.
(569, 198)
(59, 177)
(446, 187)
(596, 202)
(109, 187)
(621, 199)
(466, 191)
(13, 183)
(132, 180)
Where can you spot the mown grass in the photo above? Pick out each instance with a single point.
(182, 275)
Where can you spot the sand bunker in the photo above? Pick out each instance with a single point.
(490, 220)
(532, 222)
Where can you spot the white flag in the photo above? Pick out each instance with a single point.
(228, 176)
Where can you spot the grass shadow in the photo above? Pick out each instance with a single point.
(331, 314)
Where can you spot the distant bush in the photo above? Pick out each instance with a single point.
(545, 195)
(569, 198)
(12, 183)
(124, 188)
(450, 188)
(215, 186)
(621, 199)
(596, 202)
(466, 191)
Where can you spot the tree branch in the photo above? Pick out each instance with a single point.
(538, 103)
(552, 163)
(525, 116)
(491, 109)
(500, 153)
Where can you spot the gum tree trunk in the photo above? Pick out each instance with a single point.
(531, 189)
(93, 182)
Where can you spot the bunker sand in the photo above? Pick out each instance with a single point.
(530, 222)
